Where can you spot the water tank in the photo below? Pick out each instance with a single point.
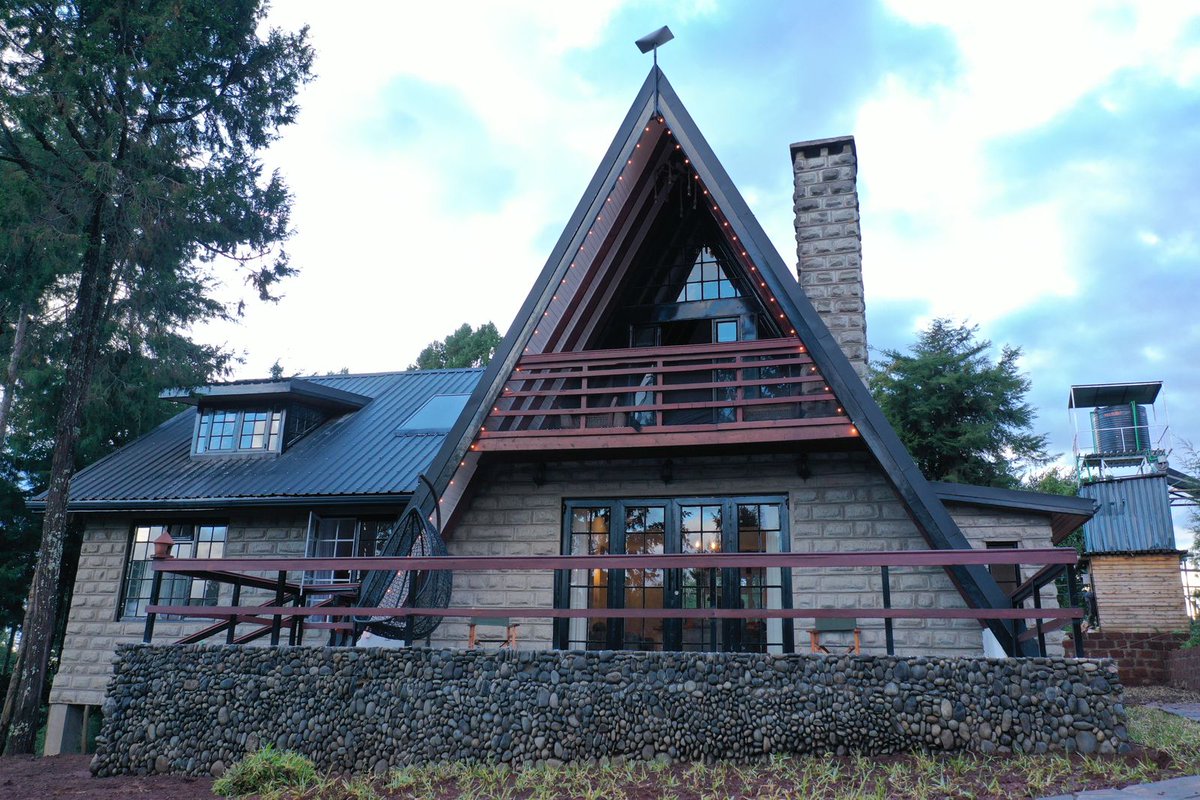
(1120, 429)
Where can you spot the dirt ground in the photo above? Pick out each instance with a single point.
(33, 778)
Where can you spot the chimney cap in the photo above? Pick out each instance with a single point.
(813, 147)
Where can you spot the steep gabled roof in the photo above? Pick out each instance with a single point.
(584, 237)
(357, 457)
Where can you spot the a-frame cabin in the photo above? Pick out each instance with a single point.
(667, 386)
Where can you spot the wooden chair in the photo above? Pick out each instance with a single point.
(835, 625)
(509, 639)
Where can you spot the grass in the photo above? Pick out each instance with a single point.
(965, 776)
(269, 772)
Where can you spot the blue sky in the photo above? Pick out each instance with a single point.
(1028, 167)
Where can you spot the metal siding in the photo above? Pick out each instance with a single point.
(1133, 514)
(358, 453)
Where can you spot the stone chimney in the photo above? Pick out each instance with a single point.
(829, 242)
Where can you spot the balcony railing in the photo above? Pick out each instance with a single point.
(274, 617)
(766, 390)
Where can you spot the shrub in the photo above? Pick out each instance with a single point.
(265, 771)
(1194, 639)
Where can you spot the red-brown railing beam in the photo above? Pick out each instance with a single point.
(526, 612)
(869, 558)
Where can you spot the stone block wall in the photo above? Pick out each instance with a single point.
(845, 505)
(828, 240)
(197, 709)
(1143, 659)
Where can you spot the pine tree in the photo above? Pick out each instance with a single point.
(962, 417)
(137, 123)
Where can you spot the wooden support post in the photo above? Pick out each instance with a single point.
(231, 630)
(1076, 628)
(83, 729)
(889, 635)
(277, 622)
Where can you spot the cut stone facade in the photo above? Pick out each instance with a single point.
(844, 506)
(829, 241)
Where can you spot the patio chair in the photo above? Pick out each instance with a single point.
(835, 625)
(509, 639)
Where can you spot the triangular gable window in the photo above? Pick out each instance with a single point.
(707, 280)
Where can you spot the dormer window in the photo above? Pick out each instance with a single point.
(261, 417)
(248, 430)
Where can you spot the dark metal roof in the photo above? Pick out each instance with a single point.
(358, 456)
(975, 584)
(303, 390)
(1066, 513)
(1113, 394)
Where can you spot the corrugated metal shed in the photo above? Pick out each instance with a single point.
(1132, 515)
(359, 455)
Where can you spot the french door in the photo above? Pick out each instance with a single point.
(703, 525)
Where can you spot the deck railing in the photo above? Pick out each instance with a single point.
(341, 618)
(765, 389)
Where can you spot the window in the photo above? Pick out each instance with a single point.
(677, 525)
(707, 280)
(1007, 575)
(248, 430)
(342, 537)
(191, 541)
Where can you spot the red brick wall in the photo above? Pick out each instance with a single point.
(1184, 668)
(1142, 658)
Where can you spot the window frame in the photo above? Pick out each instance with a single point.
(272, 448)
(173, 528)
(309, 577)
(731, 629)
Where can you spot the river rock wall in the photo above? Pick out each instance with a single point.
(195, 709)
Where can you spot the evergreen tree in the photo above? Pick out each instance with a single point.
(463, 348)
(134, 127)
(962, 416)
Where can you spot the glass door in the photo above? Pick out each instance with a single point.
(700, 526)
(700, 533)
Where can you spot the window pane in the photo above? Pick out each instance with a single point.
(588, 588)
(191, 541)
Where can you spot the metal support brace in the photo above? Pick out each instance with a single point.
(231, 631)
(1041, 632)
(277, 622)
(155, 591)
(1076, 627)
(887, 603)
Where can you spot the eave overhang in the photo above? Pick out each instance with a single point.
(298, 390)
(1066, 513)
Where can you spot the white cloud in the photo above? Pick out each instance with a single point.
(932, 213)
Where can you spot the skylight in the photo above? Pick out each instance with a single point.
(437, 414)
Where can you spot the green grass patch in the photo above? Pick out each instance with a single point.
(1177, 737)
(268, 772)
(915, 775)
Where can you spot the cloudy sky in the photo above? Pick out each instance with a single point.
(1029, 167)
